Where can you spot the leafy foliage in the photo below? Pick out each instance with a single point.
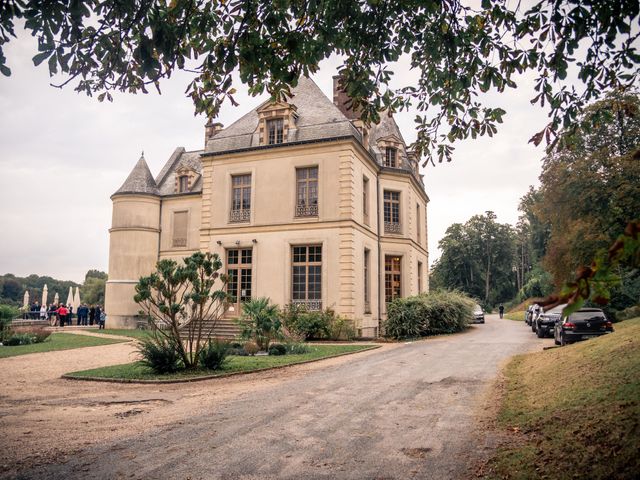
(160, 354)
(428, 314)
(12, 288)
(214, 354)
(459, 52)
(477, 258)
(182, 300)
(324, 324)
(261, 322)
(277, 349)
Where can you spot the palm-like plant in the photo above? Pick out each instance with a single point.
(261, 322)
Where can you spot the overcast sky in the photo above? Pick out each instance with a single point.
(64, 154)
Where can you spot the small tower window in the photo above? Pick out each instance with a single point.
(183, 183)
(275, 130)
(390, 157)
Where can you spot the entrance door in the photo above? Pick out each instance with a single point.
(239, 271)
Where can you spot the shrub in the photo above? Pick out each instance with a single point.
(297, 348)
(428, 314)
(214, 354)
(407, 318)
(251, 348)
(277, 349)
(8, 312)
(18, 339)
(341, 328)
(628, 313)
(261, 322)
(38, 334)
(159, 354)
(313, 325)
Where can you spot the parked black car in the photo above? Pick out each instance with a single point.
(581, 325)
(478, 314)
(546, 321)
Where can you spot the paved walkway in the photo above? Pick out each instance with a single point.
(404, 411)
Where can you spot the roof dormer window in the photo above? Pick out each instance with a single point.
(275, 131)
(183, 183)
(391, 157)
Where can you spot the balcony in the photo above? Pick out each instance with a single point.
(307, 210)
(240, 215)
(179, 242)
(392, 227)
(309, 305)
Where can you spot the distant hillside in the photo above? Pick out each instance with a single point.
(12, 288)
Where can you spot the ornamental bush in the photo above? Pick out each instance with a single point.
(213, 356)
(160, 355)
(277, 349)
(428, 314)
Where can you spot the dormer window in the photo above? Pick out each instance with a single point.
(391, 157)
(275, 131)
(183, 183)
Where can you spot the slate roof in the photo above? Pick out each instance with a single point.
(318, 119)
(139, 180)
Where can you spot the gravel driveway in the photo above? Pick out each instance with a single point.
(403, 411)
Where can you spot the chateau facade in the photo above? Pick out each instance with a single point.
(301, 201)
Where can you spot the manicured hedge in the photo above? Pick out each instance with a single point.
(428, 314)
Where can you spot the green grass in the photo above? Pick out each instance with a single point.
(137, 371)
(57, 341)
(577, 409)
(516, 316)
(125, 332)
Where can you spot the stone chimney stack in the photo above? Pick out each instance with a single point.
(342, 100)
(210, 130)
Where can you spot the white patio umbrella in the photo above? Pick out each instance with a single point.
(25, 300)
(70, 297)
(56, 299)
(76, 299)
(45, 294)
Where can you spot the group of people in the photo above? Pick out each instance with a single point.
(61, 315)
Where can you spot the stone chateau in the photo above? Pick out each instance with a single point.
(301, 201)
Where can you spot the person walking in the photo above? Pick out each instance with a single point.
(103, 320)
(98, 313)
(501, 310)
(92, 314)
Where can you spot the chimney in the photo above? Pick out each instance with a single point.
(211, 129)
(342, 100)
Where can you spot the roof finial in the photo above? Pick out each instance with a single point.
(142, 154)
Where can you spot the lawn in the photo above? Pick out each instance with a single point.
(516, 316)
(57, 341)
(576, 410)
(125, 332)
(234, 364)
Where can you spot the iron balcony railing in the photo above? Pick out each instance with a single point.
(392, 227)
(240, 215)
(306, 210)
(310, 305)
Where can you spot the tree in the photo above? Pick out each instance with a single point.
(477, 258)
(459, 51)
(95, 274)
(182, 301)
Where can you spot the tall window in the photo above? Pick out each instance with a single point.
(418, 223)
(183, 183)
(392, 278)
(419, 277)
(307, 192)
(391, 212)
(240, 274)
(275, 131)
(306, 271)
(391, 157)
(367, 282)
(365, 200)
(240, 198)
(179, 237)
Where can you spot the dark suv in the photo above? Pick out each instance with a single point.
(581, 325)
(546, 321)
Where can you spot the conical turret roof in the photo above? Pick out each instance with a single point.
(139, 180)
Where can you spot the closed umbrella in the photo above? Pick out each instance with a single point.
(76, 299)
(45, 294)
(56, 299)
(70, 296)
(25, 300)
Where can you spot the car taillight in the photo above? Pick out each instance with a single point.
(608, 325)
(569, 326)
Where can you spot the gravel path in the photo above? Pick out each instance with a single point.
(402, 411)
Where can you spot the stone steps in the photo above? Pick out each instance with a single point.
(224, 328)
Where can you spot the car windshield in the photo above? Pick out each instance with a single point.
(587, 316)
(477, 308)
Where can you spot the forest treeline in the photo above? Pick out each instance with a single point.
(589, 189)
